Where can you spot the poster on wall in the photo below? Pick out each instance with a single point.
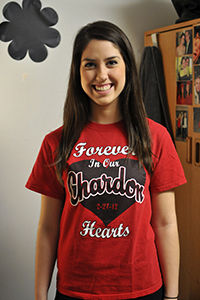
(184, 68)
(197, 84)
(181, 123)
(196, 45)
(187, 81)
(184, 93)
(184, 42)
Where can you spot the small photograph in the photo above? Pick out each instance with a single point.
(197, 84)
(184, 93)
(184, 42)
(196, 112)
(181, 123)
(184, 68)
(196, 45)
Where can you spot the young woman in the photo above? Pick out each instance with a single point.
(181, 99)
(188, 94)
(184, 70)
(106, 178)
(180, 50)
(197, 89)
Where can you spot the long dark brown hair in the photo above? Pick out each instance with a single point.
(77, 106)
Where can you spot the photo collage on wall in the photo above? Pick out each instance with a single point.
(188, 80)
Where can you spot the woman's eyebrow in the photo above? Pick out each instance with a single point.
(88, 59)
(111, 57)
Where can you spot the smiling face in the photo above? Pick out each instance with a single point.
(184, 62)
(196, 53)
(103, 75)
(182, 39)
(197, 84)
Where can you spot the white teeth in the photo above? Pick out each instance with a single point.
(103, 88)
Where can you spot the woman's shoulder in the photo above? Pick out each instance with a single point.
(160, 136)
(53, 138)
(156, 128)
(55, 133)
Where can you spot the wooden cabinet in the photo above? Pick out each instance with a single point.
(187, 196)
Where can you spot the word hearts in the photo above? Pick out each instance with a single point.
(90, 229)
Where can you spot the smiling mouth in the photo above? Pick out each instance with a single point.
(103, 88)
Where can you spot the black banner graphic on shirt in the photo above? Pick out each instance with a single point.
(106, 189)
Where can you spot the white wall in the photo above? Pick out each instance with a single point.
(31, 101)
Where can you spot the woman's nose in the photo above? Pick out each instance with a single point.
(102, 73)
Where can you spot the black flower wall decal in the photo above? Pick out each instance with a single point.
(29, 30)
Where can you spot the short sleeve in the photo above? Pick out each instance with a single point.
(43, 177)
(167, 169)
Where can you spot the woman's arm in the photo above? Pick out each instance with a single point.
(164, 223)
(46, 246)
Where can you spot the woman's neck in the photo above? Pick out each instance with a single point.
(105, 114)
(105, 118)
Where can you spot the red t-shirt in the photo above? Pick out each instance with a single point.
(107, 245)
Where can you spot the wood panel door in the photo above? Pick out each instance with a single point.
(187, 196)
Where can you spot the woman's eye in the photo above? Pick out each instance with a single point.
(112, 62)
(89, 65)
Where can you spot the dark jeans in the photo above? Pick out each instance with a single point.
(155, 296)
